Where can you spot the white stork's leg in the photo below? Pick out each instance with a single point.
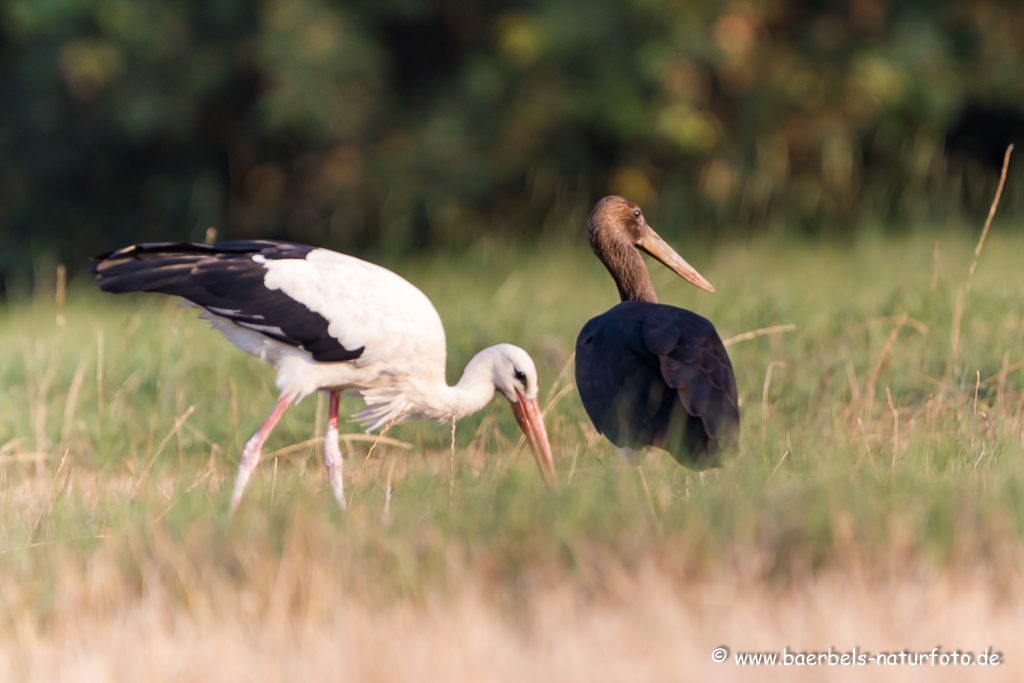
(332, 454)
(254, 447)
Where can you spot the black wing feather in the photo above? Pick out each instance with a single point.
(224, 279)
(650, 374)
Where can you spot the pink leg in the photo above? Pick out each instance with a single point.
(332, 454)
(253, 448)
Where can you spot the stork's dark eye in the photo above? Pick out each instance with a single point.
(636, 213)
(520, 376)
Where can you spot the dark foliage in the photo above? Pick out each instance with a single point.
(417, 124)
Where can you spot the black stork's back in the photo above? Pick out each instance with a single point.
(651, 374)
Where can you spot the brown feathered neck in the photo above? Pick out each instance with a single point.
(613, 231)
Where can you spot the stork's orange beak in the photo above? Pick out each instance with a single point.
(651, 243)
(531, 421)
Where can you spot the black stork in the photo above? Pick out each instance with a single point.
(330, 322)
(651, 374)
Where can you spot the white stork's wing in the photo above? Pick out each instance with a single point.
(365, 305)
(336, 307)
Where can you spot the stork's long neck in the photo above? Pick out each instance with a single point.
(431, 399)
(471, 393)
(627, 268)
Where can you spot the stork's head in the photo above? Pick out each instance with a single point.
(515, 376)
(616, 227)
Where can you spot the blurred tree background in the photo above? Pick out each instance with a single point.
(400, 125)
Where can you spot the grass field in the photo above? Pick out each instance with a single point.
(877, 501)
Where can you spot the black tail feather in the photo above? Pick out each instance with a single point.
(170, 267)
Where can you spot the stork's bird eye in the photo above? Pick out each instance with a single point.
(636, 213)
(520, 376)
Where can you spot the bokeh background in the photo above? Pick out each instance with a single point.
(401, 125)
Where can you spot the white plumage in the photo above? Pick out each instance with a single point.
(331, 322)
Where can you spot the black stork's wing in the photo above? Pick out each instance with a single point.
(226, 279)
(650, 374)
(694, 362)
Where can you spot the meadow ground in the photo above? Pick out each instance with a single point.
(877, 501)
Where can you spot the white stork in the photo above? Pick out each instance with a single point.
(330, 322)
